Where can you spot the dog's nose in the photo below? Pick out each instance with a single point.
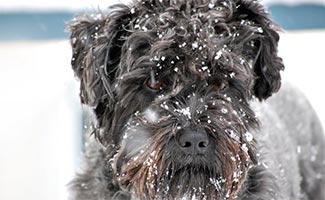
(193, 141)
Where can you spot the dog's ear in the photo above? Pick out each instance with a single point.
(96, 43)
(266, 62)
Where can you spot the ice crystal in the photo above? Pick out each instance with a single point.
(164, 105)
(218, 55)
(74, 40)
(144, 28)
(185, 111)
(233, 135)
(211, 5)
(224, 110)
(242, 61)
(182, 45)
(244, 147)
(249, 136)
(260, 30)
(298, 149)
(195, 45)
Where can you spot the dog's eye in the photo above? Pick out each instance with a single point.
(157, 85)
(153, 83)
(218, 83)
(220, 86)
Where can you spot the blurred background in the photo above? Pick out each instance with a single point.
(40, 113)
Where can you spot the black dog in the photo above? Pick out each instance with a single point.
(176, 88)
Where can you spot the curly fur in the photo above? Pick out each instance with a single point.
(212, 58)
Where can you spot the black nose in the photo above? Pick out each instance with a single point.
(193, 141)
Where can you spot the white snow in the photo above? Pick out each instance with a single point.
(40, 120)
(40, 110)
(57, 5)
(293, 2)
(151, 115)
(303, 56)
(185, 111)
(46, 5)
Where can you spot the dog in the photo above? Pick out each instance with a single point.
(185, 102)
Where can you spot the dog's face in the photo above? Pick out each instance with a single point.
(170, 83)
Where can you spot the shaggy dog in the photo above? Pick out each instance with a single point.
(177, 90)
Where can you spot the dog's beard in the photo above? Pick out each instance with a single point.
(149, 164)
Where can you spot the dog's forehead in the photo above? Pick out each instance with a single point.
(199, 38)
(192, 58)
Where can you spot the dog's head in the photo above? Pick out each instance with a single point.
(170, 82)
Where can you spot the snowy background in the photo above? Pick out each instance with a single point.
(46, 5)
(40, 112)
